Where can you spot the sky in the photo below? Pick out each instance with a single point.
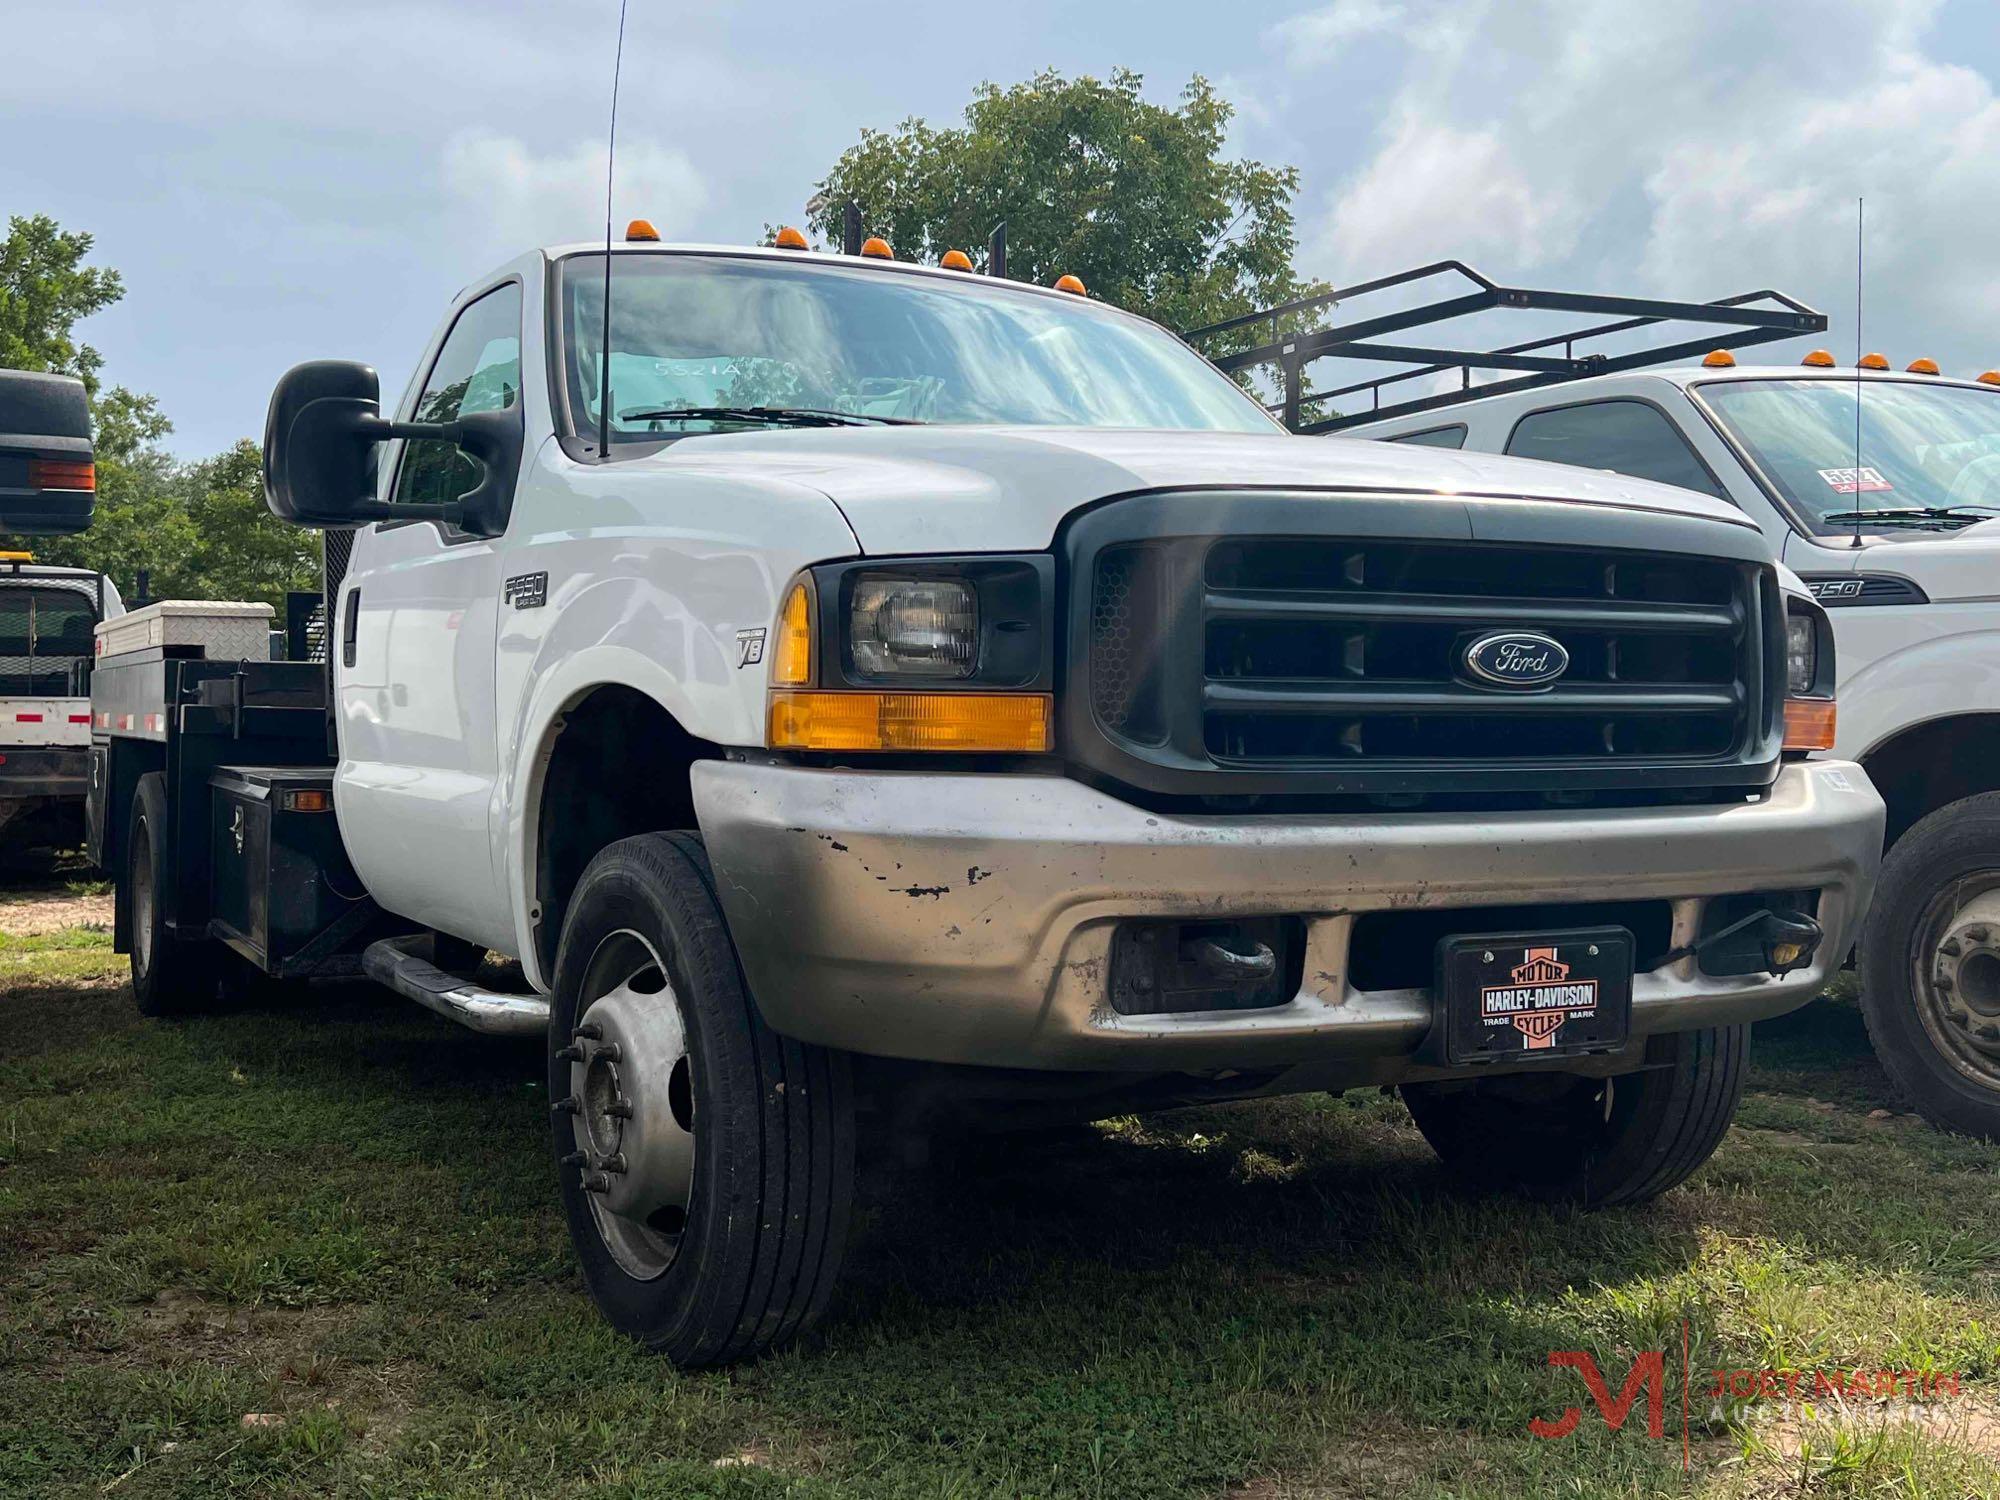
(280, 180)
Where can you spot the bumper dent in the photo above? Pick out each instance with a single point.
(968, 919)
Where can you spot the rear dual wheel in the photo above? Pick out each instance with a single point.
(1598, 1142)
(706, 1163)
(169, 977)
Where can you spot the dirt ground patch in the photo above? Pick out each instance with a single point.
(32, 913)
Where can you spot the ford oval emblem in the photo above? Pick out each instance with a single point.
(1516, 659)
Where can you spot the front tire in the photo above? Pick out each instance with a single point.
(706, 1163)
(169, 977)
(1930, 966)
(1597, 1142)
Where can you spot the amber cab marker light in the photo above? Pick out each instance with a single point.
(1718, 359)
(1921, 367)
(1990, 377)
(789, 238)
(1819, 359)
(62, 474)
(1872, 362)
(955, 260)
(641, 229)
(1070, 284)
(877, 248)
(990, 722)
(1809, 723)
(791, 661)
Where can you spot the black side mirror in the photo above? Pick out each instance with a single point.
(48, 476)
(320, 443)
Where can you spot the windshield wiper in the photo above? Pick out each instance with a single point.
(1964, 514)
(770, 416)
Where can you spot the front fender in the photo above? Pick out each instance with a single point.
(1912, 681)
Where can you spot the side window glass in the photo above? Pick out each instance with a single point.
(478, 369)
(1627, 437)
(1434, 437)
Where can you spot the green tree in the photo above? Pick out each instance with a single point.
(45, 288)
(240, 550)
(1135, 198)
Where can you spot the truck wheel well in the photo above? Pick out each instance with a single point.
(1929, 765)
(619, 767)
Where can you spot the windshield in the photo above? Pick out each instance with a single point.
(45, 633)
(1924, 448)
(698, 332)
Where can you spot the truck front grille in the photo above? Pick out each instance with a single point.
(1343, 661)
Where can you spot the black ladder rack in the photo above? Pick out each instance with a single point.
(1735, 323)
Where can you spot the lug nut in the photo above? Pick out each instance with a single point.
(1976, 934)
(576, 1159)
(619, 1109)
(567, 1105)
(571, 1053)
(1949, 947)
(615, 1162)
(1944, 982)
(589, 1031)
(597, 1182)
(611, 1052)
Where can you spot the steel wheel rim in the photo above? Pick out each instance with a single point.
(1950, 1019)
(627, 968)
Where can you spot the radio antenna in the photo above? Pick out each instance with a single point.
(604, 344)
(1859, 205)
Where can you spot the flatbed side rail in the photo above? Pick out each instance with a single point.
(1738, 322)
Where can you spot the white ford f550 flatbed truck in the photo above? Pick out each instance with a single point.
(879, 689)
(1900, 541)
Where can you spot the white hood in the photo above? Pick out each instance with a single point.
(1007, 489)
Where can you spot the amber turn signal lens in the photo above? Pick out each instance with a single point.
(792, 660)
(1016, 722)
(62, 474)
(1809, 723)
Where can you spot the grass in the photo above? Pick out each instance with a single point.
(339, 1219)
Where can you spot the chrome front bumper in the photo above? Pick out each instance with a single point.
(969, 919)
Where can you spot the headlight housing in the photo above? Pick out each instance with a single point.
(1809, 677)
(913, 627)
(922, 654)
(1801, 653)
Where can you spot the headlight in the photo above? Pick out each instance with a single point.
(937, 653)
(1801, 653)
(1809, 677)
(913, 627)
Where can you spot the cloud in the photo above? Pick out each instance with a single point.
(1320, 36)
(1696, 149)
(509, 197)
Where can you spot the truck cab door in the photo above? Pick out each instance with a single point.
(413, 663)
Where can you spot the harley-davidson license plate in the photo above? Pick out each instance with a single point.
(1534, 995)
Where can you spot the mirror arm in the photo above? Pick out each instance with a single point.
(380, 429)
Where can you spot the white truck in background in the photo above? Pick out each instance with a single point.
(864, 691)
(47, 614)
(1893, 523)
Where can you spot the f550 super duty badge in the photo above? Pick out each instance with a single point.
(528, 590)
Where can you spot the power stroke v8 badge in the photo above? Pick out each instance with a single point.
(1536, 995)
